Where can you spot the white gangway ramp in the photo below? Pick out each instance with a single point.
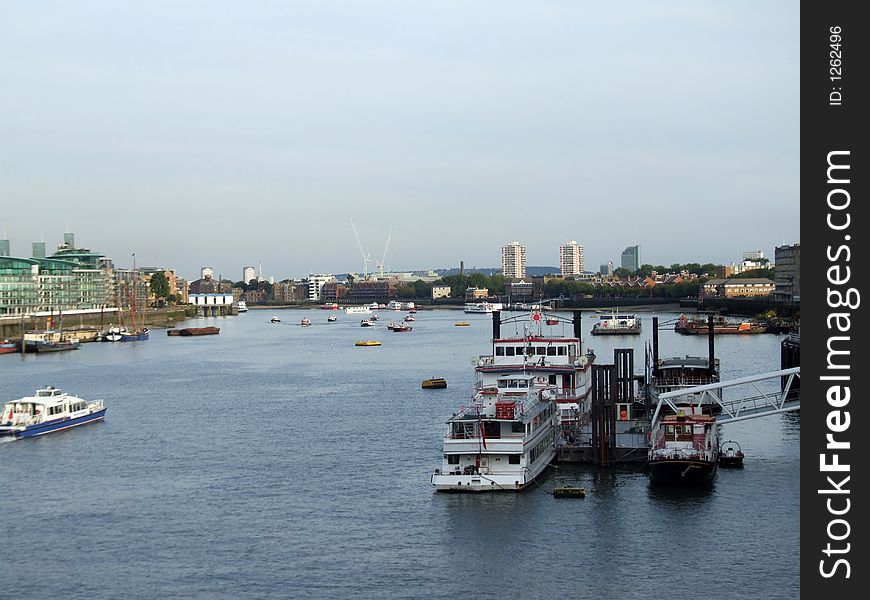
(749, 397)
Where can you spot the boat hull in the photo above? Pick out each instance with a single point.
(681, 471)
(491, 482)
(616, 331)
(731, 462)
(53, 426)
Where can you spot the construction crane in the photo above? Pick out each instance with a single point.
(365, 256)
(380, 264)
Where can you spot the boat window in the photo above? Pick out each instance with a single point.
(540, 350)
(551, 351)
(519, 350)
(517, 427)
(670, 428)
(502, 383)
(562, 350)
(687, 429)
(514, 459)
(512, 383)
(492, 429)
(452, 459)
(552, 379)
(509, 351)
(523, 383)
(499, 351)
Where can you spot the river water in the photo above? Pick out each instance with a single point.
(280, 461)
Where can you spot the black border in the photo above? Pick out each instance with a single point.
(826, 128)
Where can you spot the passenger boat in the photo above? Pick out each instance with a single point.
(555, 360)
(392, 326)
(502, 440)
(8, 347)
(191, 331)
(483, 307)
(686, 326)
(331, 319)
(367, 343)
(616, 324)
(367, 323)
(357, 310)
(242, 306)
(730, 455)
(462, 324)
(530, 389)
(275, 320)
(47, 411)
(305, 322)
(434, 383)
(684, 448)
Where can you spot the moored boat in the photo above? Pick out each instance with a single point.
(483, 307)
(730, 455)
(358, 310)
(47, 411)
(173, 332)
(684, 449)
(502, 440)
(57, 346)
(686, 326)
(8, 347)
(191, 331)
(616, 324)
(242, 306)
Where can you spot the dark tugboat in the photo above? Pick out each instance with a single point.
(730, 455)
(685, 449)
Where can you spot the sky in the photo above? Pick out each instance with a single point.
(229, 134)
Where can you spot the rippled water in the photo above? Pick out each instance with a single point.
(280, 461)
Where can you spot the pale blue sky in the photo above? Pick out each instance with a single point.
(227, 133)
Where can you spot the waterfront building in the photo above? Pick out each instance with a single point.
(513, 260)
(738, 288)
(606, 270)
(315, 283)
(520, 291)
(333, 291)
(440, 291)
(248, 273)
(631, 258)
(571, 259)
(476, 293)
(366, 292)
(787, 272)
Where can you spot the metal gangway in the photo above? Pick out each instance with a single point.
(750, 402)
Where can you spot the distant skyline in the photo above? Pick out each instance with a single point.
(223, 134)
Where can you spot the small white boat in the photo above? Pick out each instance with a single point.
(332, 318)
(47, 411)
(242, 306)
(409, 318)
(367, 323)
(306, 322)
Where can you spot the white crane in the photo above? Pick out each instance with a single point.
(366, 257)
(380, 263)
